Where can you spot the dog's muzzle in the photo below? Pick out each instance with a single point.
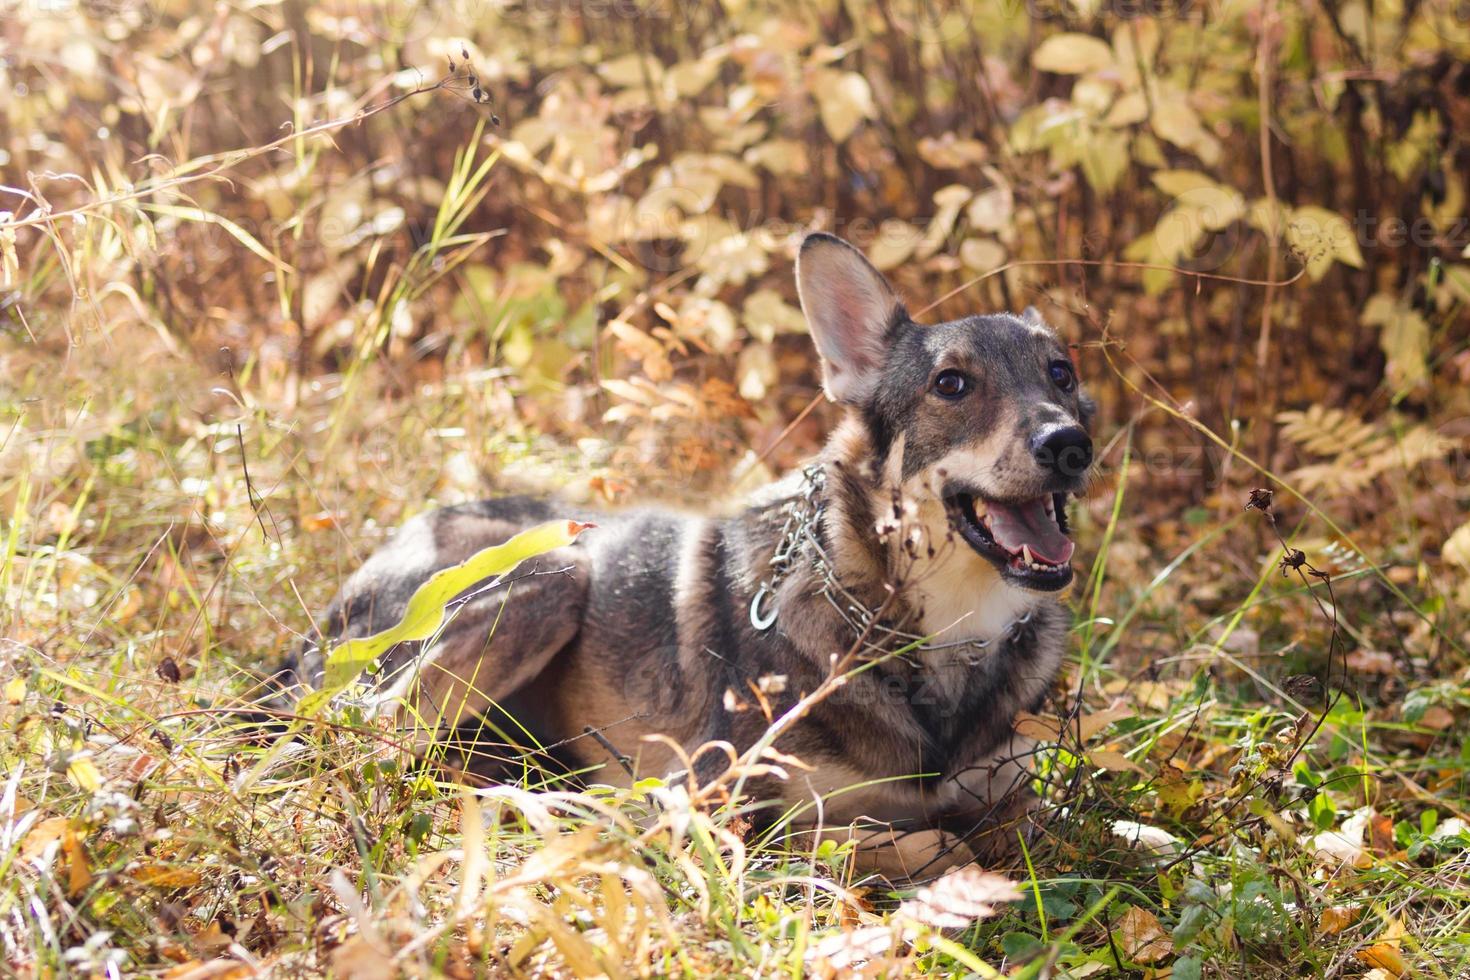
(1025, 539)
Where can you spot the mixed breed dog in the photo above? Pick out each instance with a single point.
(927, 542)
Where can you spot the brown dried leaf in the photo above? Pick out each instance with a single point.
(1045, 728)
(1089, 725)
(1142, 938)
(1437, 717)
(1113, 761)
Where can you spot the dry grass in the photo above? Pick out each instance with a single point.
(234, 355)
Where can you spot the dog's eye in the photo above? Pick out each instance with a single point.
(1062, 375)
(951, 384)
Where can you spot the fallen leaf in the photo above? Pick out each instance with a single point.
(42, 834)
(1141, 937)
(1437, 717)
(1383, 956)
(78, 874)
(160, 876)
(1045, 728)
(84, 775)
(1372, 662)
(1336, 918)
(212, 937)
(1113, 761)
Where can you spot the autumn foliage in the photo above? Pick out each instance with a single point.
(275, 276)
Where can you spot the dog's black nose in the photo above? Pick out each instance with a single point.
(1066, 451)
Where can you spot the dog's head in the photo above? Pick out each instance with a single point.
(983, 415)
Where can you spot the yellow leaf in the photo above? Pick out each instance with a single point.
(782, 157)
(689, 78)
(1072, 54)
(15, 690)
(426, 607)
(1177, 182)
(84, 775)
(1404, 337)
(991, 210)
(632, 71)
(1321, 236)
(1457, 547)
(948, 201)
(1175, 120)
(894, 243)
(161, 876)
(982, 254)
(949, 152)
(1131, 107)
(843, 100)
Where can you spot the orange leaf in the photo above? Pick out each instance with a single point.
(1383, 956)
(78, 875)
(1336, 918)
(40, 835)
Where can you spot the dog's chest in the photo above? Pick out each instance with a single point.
(957, 595)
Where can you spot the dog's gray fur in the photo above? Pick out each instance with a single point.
(643, 626)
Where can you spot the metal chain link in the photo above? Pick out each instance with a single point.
(802, 528)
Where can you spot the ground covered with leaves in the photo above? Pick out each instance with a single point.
(275, 276)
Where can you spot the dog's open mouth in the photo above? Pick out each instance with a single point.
(1027, 540)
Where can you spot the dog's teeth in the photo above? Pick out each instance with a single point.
(1026, 555)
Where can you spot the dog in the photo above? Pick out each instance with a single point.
(928, 542)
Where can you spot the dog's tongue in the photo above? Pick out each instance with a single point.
(1031, 525)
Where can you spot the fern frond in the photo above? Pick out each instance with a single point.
(1325, 431)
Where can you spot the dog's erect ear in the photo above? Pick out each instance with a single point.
(850, 308)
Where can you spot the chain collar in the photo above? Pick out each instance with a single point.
(803, 529)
